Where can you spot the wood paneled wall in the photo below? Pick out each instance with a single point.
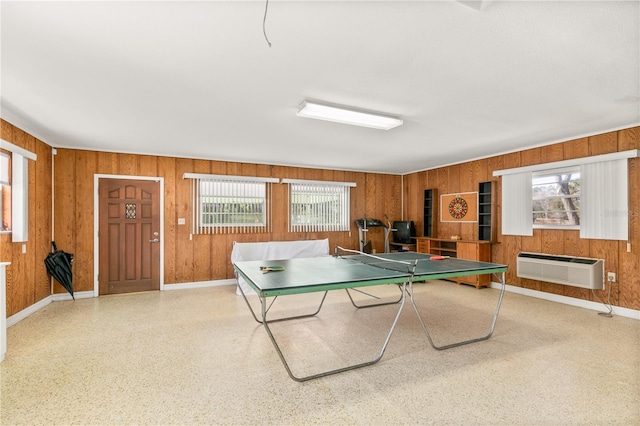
(27, 278)
(465, 177)
(207, 257)
(202, 257)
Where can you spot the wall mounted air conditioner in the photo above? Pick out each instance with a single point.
(568, 270)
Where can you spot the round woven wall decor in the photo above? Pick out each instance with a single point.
(458, 208)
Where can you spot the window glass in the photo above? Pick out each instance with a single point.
(556, 199)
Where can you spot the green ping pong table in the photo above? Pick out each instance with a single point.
(356, 271)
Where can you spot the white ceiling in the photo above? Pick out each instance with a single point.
(198, 79)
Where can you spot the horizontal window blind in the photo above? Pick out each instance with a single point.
(224, 204)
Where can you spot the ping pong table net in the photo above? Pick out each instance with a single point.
(403, 266)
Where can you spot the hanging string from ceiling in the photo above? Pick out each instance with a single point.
(264, 21)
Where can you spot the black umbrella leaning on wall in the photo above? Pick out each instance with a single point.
(58, 265)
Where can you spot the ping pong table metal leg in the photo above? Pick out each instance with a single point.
(375, 297)
(271, 304)
(265, 323)
(464, 342)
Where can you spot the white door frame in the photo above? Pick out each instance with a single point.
(96, 225)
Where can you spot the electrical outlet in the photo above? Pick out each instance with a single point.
(611, 277)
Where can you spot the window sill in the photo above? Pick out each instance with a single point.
(560, 227)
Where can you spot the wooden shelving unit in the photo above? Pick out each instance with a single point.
(438, 247)
(486, 211)
(430, 212)
(469, 250)
(402, 246)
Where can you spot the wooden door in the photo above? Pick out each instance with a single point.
(129, 235)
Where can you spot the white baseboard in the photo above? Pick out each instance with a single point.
(199, 284)
(28, 311)
(587, 304)
(57, 297)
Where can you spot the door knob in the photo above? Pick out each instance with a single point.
(155, 240)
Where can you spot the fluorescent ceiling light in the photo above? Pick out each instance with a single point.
(347, 115)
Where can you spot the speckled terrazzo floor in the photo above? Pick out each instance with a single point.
(198, 357)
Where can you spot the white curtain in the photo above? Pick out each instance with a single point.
(19, 198)
(517, 208)
(604, 208)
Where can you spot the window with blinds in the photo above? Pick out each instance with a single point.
(15, 204)
(586, 193)
(5, 192)
(230, 204)
(317, 206)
